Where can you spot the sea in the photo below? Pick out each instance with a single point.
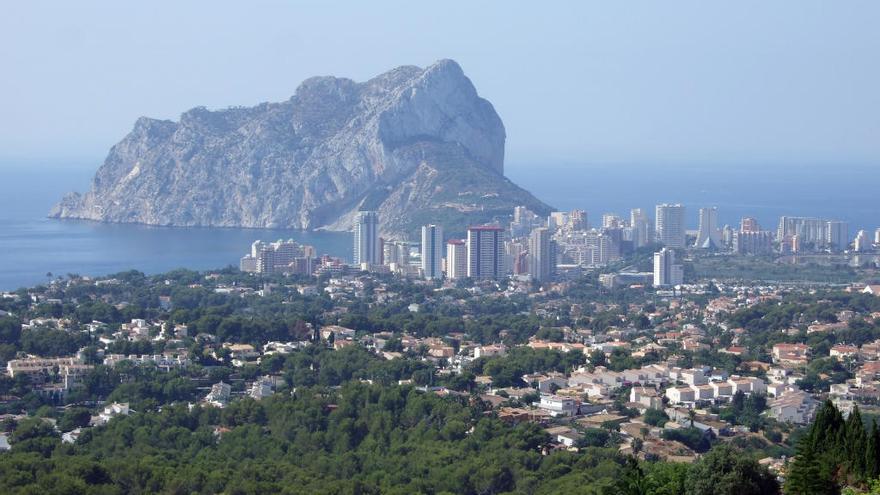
(34, 248)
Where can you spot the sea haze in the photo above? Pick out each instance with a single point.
(33, 245)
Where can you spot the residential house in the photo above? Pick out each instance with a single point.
(219, 395)
(793, 354)
(795, 407)
(558, 406)
(680, 395)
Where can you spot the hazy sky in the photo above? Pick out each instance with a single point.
(782, 82)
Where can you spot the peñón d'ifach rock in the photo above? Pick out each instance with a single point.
(418, 145)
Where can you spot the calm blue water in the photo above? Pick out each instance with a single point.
(32, 245)
(850, 193)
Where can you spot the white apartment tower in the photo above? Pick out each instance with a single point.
(577, 220)
(861, 243)
(669, 224)
(642, 233)
(484, 252)
(808, 230)
(611, 221)
(666, 272)
(542, 256)
(557, 219)
(837, 235)
(456, 259)
(432, 251)
(367, 246)
(708, 236)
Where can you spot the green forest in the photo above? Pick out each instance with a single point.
(356, 439)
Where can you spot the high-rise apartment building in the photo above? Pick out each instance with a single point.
(753, 242)
(708, 235)
(279, 257)
(749, 224)
(557, 219)
(609, 242)
(542, 255)
(837, 235)
(810, 231)
(727, 234)
(666, 272)
(670, 226)
(456, 259)
(577, 220)
(395, 253)
(484, 252)
(367, 247)
(432, 251)
(524, 220)
(515, 256)
(861, 243)
(611, 221)
(642, 231)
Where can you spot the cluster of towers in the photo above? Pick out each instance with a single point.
(481, 255)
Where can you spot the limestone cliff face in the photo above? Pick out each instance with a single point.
(419, 145)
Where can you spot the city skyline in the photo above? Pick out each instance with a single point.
(538, 248)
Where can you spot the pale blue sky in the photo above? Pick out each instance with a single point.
(777, 82)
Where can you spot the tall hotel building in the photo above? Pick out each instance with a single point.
(432, 251)
(642, 231)
(666, 271)
(749, 224)
(709, 235)
(837, 235)
(367, 246)
(669, 221)
(456, 259)
(807, 229)
(484, 252)
(861, 244)
(542, 255)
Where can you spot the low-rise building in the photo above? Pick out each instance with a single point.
(564, 435)
(794, 354)
(795, 407)
(843, 351)
(721, 390)
(680, 395)
(66, 373)
(558, 406)
(219, 395)
(490, 350)
(748, 385)
(646, 396)
(109, 412)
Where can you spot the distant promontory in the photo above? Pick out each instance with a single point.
(418, 145)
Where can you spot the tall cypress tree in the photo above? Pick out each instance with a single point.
(855, 443)
(872, 452)
(828, 428)
(807, 475)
